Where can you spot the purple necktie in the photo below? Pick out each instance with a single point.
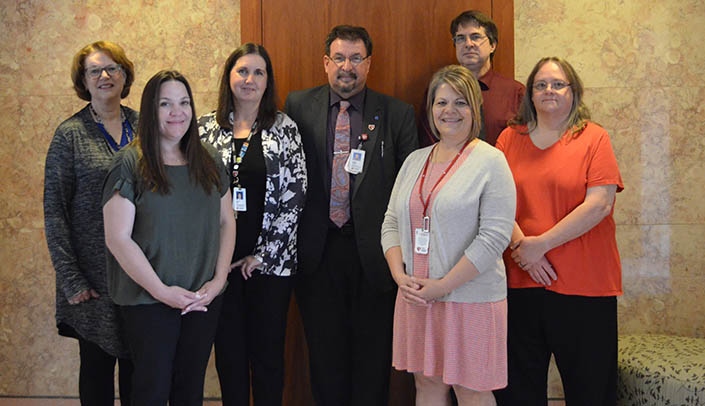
(340, 179)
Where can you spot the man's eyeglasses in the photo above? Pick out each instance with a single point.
(476, 39)
(354, 60)
(111, 70)
(555, 85)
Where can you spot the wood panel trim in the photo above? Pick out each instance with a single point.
(251, 21)
(503, 16)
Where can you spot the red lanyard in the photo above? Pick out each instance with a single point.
(426, 202)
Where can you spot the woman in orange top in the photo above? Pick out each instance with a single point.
(563, 267)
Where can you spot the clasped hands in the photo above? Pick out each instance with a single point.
(188, 301)
(202, 298)
(529, 254)
(420, 291)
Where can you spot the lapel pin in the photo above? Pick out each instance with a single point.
(371, 127)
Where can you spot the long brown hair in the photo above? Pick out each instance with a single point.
(201, 166)
(579, 114)
(267, 111)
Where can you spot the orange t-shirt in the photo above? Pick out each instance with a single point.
(550, 184)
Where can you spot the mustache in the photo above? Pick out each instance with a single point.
(351, 75)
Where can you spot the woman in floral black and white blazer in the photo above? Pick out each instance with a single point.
(262, 149)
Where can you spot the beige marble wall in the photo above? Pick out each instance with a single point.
(38, 40)
(641, 62)
(643, 66)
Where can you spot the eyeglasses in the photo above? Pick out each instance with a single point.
(111, 70)
(556, 85)
(476, 39)
(354, 60)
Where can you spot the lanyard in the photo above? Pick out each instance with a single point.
(427, 201)
(243, 150)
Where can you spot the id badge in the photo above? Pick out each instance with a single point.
(239, 199)
(355, 162)
(421, 241)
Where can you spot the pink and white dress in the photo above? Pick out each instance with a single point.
(463, 343)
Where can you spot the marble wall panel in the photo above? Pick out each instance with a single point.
(613, 43)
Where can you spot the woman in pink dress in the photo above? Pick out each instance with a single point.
(449, 219)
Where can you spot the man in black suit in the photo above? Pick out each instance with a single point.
(344, 290)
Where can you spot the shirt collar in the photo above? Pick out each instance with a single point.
(485, 80)
(356, 101)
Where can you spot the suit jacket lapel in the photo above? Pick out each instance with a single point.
(371, 125)
(319, 111)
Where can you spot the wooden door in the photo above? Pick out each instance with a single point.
(411, 40)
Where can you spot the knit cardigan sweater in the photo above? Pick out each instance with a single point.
(76, 164)
(472, 215)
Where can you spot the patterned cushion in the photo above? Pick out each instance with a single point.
(661, 370)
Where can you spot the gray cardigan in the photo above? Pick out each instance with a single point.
(76, 164)
(472, 215)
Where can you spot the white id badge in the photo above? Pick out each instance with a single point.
(355, 162)
(421, 241)
(239, 199)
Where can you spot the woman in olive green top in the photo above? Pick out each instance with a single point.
(170, 229)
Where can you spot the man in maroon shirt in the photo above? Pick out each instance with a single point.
(475, 38)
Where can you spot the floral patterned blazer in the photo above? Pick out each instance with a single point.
(285, 188)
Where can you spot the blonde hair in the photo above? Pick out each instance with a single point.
(460, 79)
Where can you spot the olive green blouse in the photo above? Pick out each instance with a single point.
(179, 232)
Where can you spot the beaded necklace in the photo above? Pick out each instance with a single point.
(127, 133)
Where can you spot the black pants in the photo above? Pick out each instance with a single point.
(231, 345)
(170, 352)
(251, 339)
(267, 300)
(581, 333)
(96, 379)
(348, 326)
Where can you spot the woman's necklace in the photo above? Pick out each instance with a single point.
(127, 133)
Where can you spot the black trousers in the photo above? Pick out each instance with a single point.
(170, 352)
(231, 345)
(581, 333)
(348, 326)
(251, 339)
(267, 300)
(96, 378)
